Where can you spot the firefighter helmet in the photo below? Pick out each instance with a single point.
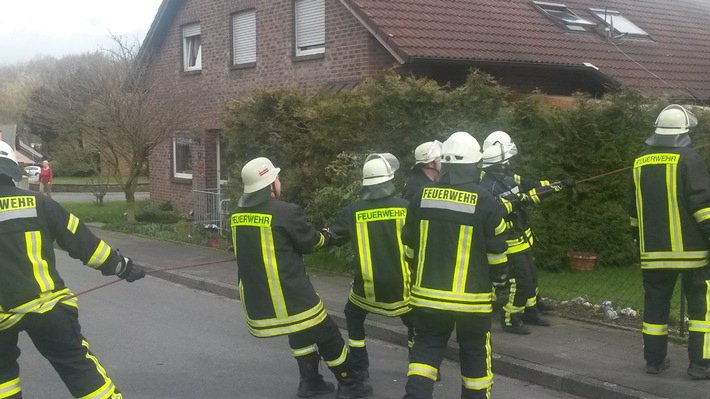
(8, 162)
(460, 148)
(498, 136)
(427, 152)
(379, 168)
(258, 173)
(675, 119)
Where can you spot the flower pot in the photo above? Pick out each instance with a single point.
(582, 261)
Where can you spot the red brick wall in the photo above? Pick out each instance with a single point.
(351, 54)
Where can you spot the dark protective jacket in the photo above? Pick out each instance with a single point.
(381, 278)
(519, 235)
(669, 208)
(269, 240)
(416, 181)
(29, 225)
(456, 233)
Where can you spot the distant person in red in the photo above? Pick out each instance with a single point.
(45, 179)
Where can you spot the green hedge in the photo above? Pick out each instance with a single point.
(320, 142)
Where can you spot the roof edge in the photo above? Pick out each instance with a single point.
(353, 8)
(163, 18)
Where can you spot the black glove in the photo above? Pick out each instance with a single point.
(127, 270)
(569, 183)
(330, 238)
(521, 198)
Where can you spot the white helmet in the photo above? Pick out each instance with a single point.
(427, 152)
(498, 136)
(8, 162)
(461, 148)
(675, 119)
(379, 168)
(498, 148)
(258, 173)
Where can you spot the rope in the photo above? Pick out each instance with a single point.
(154, 271)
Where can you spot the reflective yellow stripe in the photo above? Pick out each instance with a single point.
(517, 179)
(40, 268)
(532, 301)
(409, 252)
(73, 223)
(10, 388)
(500, 229)
(389, 309)
(321, 241)
(699, 326)
(339, 360)
(294, 323)
(654, 329)
(639, 205)
(673, 209)
(107, 389)
(100, 255)
(454, 296)
(356, 343)
(304, 351)
(423, 237)
(268, 253)
(404, 267)
(462, 258)
(507, 205)
(422, 370)
(674, 260)
(634, 222)
(497, 259)
(706, 337)
(365, 255)
(702, 215)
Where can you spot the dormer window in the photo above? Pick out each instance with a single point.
(563, 16)
(617, 23)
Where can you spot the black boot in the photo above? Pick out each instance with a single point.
(349, 386)
(312, 382)
(532, 316)
(516, 325)
(359, 362)
(544, 306)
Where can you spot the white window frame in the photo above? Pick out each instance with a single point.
(221, 172)
(244, 37)
(192, 47)
(182, 140)
(563, 16)
(620, 24)
(309, 24)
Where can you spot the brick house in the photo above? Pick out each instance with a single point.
(205, 52)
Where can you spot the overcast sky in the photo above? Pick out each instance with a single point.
(29, 28)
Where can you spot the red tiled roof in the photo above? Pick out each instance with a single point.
(674, 60)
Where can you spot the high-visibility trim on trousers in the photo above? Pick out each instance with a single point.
(10, 388)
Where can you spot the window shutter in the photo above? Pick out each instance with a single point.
(244, 37)
(190, 30)
(310, 24)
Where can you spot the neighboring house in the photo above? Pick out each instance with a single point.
(205, 52)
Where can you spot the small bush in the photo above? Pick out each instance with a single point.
(156, 215)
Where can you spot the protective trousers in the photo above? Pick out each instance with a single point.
(658, 286)
(523, 284)
(323, 338)
(355, 320)
(433, 329)
(57, 336)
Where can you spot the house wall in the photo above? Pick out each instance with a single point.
(351, 54)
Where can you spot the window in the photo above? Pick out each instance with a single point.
(561, 15)
(223, 166)
(244, 38)
(617, 23)
(182, 156)
(192, 47)
(310, 27)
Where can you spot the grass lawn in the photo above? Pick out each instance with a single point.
(88, 180)
(110, 213)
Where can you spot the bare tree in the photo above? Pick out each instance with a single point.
(109, 103)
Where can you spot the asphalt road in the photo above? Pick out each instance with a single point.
(160, 340)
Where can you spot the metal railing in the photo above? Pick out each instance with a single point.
(210, 210)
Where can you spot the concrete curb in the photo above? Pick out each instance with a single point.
(508, 366)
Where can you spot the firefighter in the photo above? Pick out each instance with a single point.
(381, 277)
(455, 229)
(427, 158)
(33, 297)
(270, 237)
(522, 305)
(669, 209)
